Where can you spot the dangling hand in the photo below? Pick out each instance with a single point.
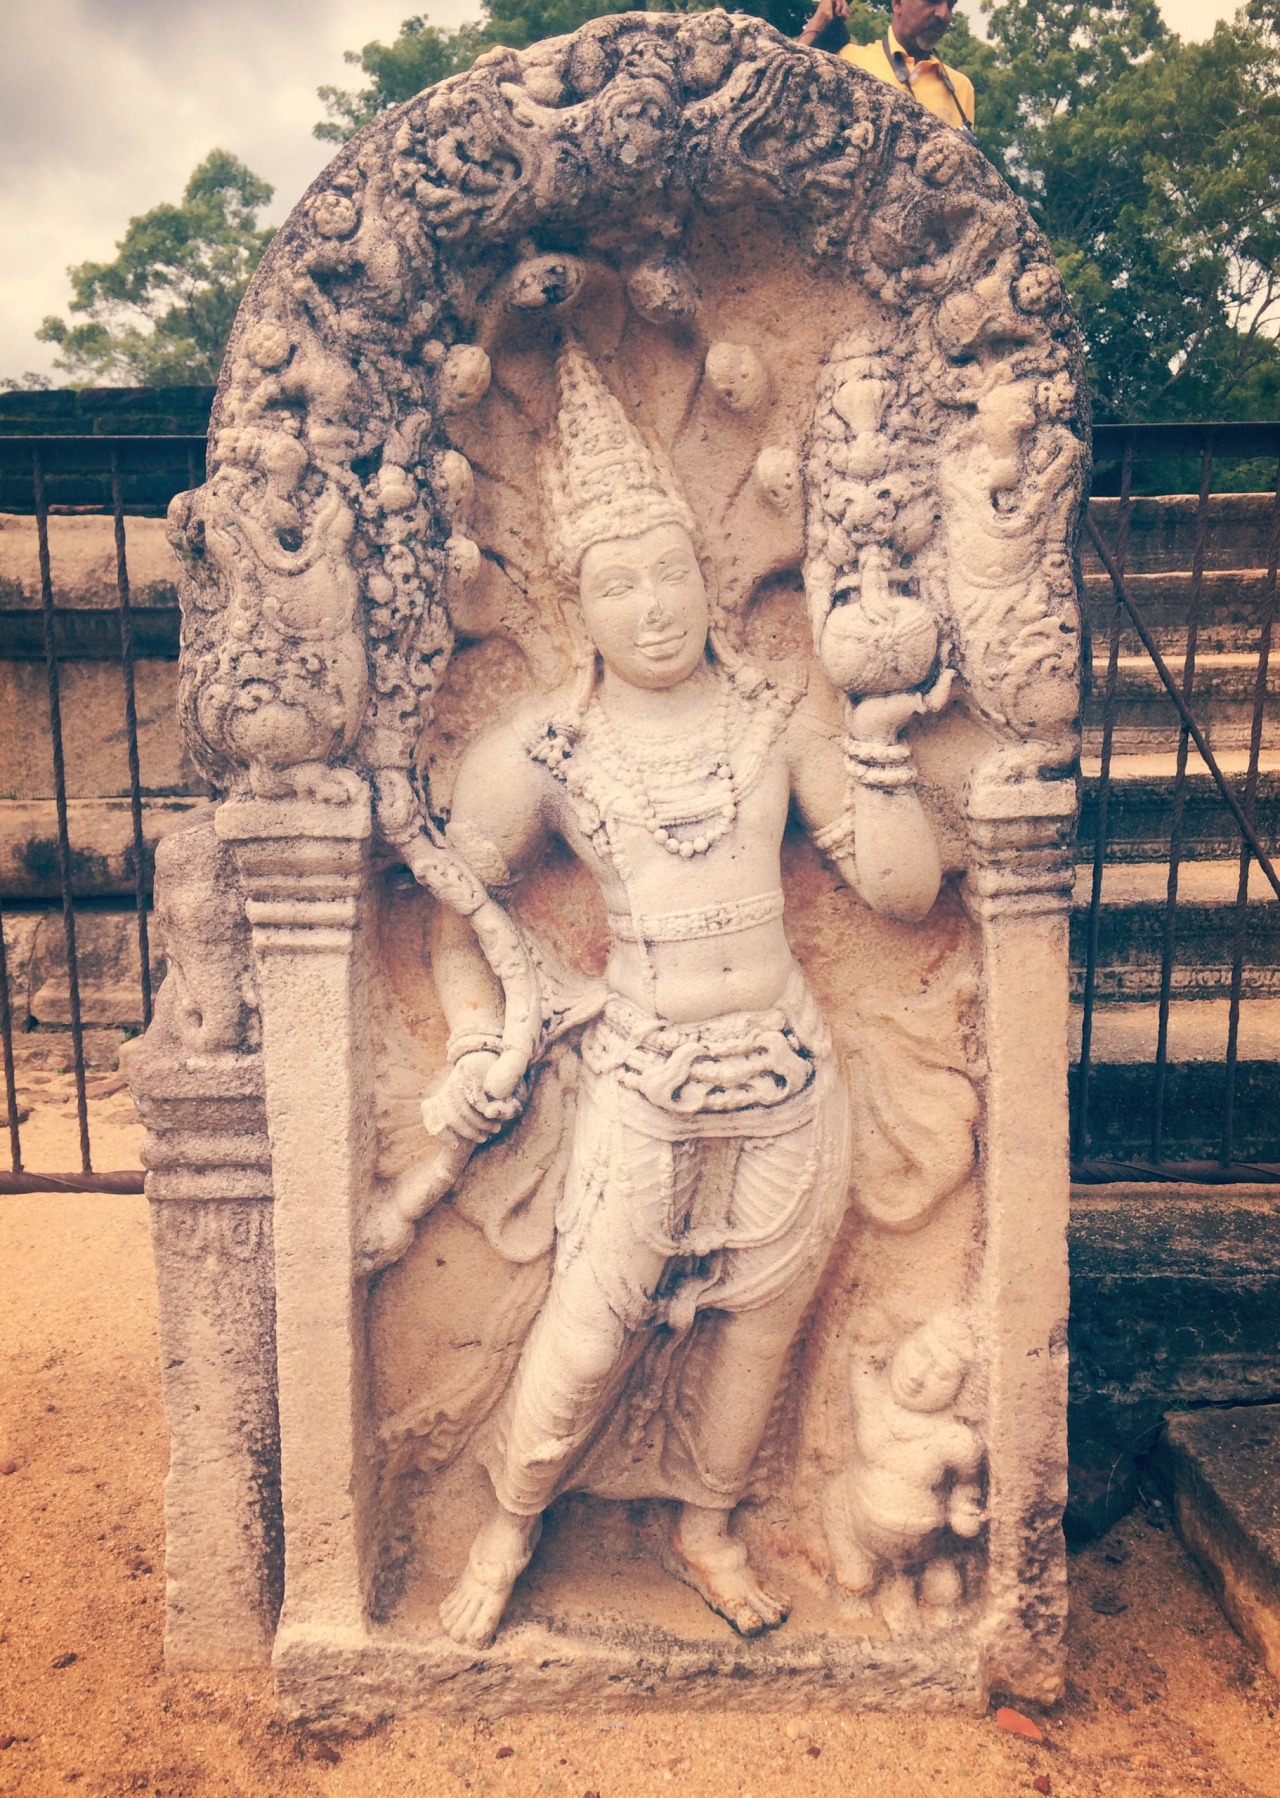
(824, 13)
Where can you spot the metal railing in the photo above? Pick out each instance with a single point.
(134, 474)
(123, 475)
(1212, 444)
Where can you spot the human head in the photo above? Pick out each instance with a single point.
(645, 606)
(920, 25)
(929, 1367)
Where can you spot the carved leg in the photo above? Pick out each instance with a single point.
(853, 1566)
(735, 1385)
(940, 1583)
(898, 1604)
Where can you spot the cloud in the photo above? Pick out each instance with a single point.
(106, 106)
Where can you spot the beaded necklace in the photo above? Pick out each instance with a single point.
(687, 786)
(679, 768)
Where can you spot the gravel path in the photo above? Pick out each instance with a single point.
(1163, 1699)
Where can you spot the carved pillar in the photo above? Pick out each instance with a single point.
(209, 1182)
(1019, 889)
(302, 864)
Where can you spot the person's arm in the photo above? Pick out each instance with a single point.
(856, 791)
(825, 14)
(496, 826)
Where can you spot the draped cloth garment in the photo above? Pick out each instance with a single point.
(707, 1181)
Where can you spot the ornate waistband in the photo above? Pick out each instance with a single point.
(699, 922)
(740, 1061)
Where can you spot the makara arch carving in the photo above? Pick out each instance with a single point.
(630, 627)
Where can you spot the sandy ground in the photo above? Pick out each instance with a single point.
(1163, 1699)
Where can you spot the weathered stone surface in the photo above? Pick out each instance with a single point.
(107, 967)
(197, 1075)
(100, 832)
(1174, 1298)
(1220, 1468)
(531, 590)
(94, 742)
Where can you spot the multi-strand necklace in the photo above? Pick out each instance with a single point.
(670, 784)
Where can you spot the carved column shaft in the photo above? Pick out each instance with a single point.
(1020, 891)
(302, 862)
(209, 1181)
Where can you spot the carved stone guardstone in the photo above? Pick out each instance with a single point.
(607, 1106)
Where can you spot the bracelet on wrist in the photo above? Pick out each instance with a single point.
(881, 765)
(472, 1042)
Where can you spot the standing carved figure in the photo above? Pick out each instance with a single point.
(709, 1171)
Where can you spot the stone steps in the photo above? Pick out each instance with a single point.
(1162, 532)
(1140, 808)
(1132, 928)
(1218, 1468)
(1146, 721)
(1231, 604)
(1122, 1087)
(100, 832)
(1175, 1291)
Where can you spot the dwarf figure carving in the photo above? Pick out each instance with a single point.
(913, 1486)
(709, 1171)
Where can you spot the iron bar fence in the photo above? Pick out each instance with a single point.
(1212, 443)
(134, 473)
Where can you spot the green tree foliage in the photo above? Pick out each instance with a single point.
(159, 315)
(1153, 167)
(421, 55)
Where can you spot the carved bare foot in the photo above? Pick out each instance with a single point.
(500, 1553)
(705, 1556)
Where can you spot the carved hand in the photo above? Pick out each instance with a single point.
(463, 1107)
(879, 718)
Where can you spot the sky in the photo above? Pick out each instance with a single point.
(106, 106)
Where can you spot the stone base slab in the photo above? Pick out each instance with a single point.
(1220, 1467)
(1175, 1292)
(324, 1675)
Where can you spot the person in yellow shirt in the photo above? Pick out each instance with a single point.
(906, 54)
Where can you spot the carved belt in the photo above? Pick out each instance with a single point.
(700, 922)
(738, 1062)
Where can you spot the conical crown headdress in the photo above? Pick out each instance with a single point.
(602, 480)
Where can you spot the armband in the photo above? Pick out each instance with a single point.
(835, 839)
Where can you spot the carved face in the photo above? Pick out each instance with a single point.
(645, 606)
(922, 1378)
